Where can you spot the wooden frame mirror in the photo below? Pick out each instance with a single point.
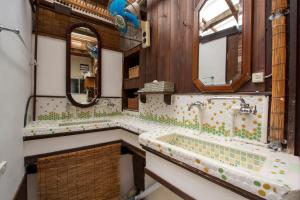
(83, 65)
(216, 32)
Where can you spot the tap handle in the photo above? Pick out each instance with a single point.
(254, 111)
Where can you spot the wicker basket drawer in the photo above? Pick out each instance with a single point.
(134, 72)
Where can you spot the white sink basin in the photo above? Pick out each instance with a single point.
(223, 154)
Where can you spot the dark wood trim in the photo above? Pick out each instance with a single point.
(21, 193)
(224, 33)
(35, 57)
(204, 175)
(58, 96)
(30, 161)
(138, 162)
(293, 89)
(133, 50)
(168, 185)
(39, 137)
(246, 54)
(134, 149)
(50, 96)
(167, 96)
(26, 109)
(33, 5)
(224, 93)
(68, 65)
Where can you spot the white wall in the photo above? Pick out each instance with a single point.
(15, 84)
(51, 73)
(212, 61)
(112, 63)
(75, 65)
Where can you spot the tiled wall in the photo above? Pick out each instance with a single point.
(217, 117)
(60, 108)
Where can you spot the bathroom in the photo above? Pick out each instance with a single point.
(149, 99)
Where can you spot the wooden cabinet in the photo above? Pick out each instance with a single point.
(132, 58)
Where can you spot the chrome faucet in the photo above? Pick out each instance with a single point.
(275, 145)
(245, 107)
(198, 104)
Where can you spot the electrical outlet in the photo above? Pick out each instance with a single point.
(3, 166)
(258, 77)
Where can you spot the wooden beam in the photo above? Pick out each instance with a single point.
(219, 18)
(205, 22)
(233, 10)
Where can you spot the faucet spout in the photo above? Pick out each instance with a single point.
(198, 104)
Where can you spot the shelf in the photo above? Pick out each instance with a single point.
(167, 96)
(131, 83)
(132, 51)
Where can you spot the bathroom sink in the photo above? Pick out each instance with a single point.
(223, 154)
(83, 122)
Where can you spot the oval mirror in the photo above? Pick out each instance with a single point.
(83, 74)
(222, 44)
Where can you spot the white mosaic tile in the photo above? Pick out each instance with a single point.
(61, 109)
(216, 116)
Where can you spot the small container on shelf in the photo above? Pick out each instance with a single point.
(133, 103)
(134, 72)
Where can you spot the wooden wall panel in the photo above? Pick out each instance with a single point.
(55, 24)
(170, 55)
(151, 60)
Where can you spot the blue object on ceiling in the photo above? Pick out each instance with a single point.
(92, 50)
(122, 16)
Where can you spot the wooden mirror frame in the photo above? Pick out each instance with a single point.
(246, 51)
(68, 66)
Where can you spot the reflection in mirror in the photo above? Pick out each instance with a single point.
(220, 46)
(83, 65)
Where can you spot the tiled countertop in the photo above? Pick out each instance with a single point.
(278, 178)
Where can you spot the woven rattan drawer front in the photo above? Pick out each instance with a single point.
(91, 174)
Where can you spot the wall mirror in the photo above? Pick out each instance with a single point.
(83, 74)
(222, 37)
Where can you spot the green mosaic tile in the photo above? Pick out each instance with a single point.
(218, 152)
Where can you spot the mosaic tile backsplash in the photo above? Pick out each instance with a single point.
(216, 115)
(61, 109)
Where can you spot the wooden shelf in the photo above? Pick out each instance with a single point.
(132, 51)
(132, 83)
(167, 96)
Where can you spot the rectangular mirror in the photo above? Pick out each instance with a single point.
(222, 44)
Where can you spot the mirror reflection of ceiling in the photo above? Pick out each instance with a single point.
(217, 15)
(80, 39)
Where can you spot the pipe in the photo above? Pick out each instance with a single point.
(148, 191)
(17, 32)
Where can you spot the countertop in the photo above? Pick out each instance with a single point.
(279, 177)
